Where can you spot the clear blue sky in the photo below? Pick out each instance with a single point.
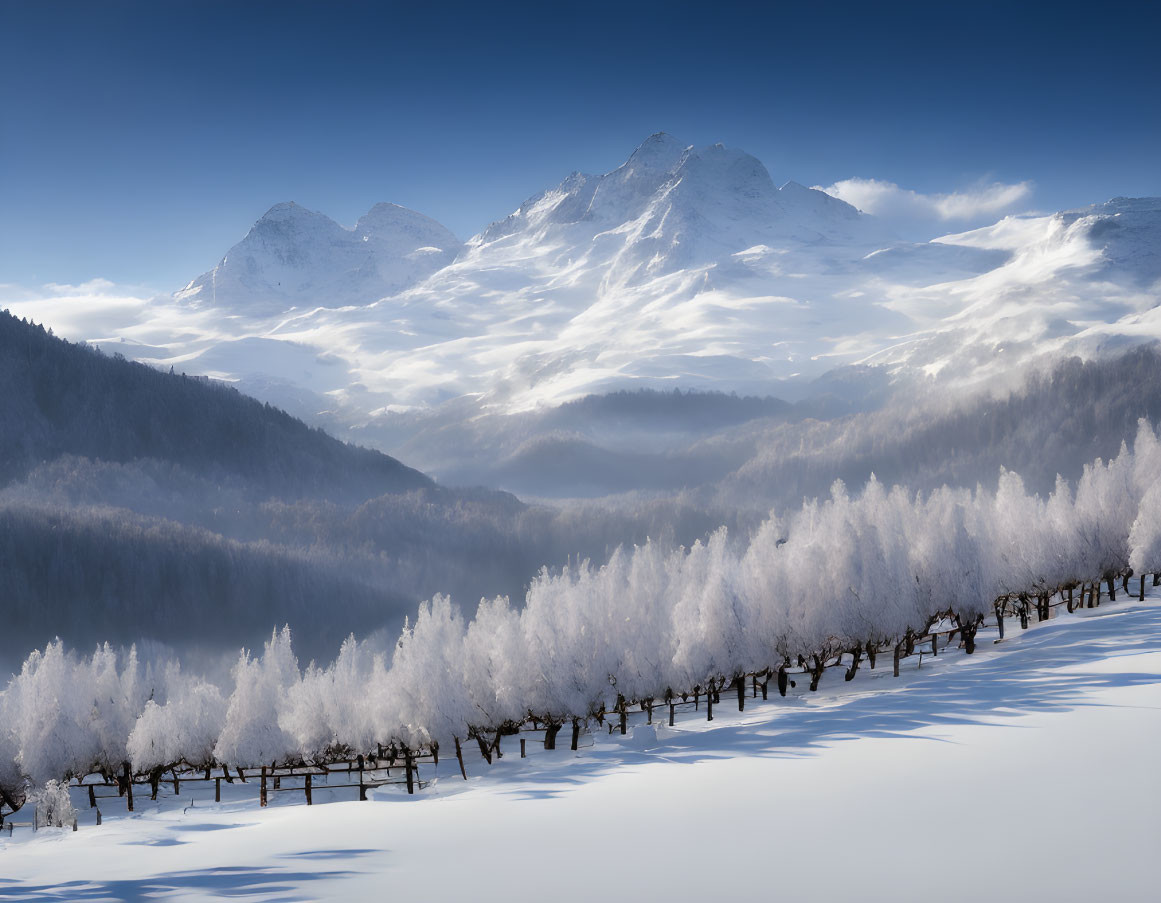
(139, 140)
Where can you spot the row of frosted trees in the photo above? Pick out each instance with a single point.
(848, 574)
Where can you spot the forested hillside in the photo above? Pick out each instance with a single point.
(58, 398)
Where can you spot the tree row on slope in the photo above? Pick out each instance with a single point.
(848, 574)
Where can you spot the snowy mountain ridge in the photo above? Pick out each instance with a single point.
(293, 257)
(685, 267)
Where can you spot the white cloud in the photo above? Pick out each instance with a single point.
(75, 311)
(891, 202)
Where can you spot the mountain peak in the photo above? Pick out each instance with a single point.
(287, 210)
(659, 152)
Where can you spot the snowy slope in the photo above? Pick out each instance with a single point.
(1021, 772)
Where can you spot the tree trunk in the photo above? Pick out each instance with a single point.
(782, 680)
(1125, 582)
(1141, 595)
(898, 650)
(1070, 600)
(816, 673)
(856, 656)
(871, 653)
(1000, 621)
(176, 785)
(460, 758)
(709, 703)
(1157, 578)
(485, 751)
(622, 709)
(550, 731)
(407, 763)
(575, 733)
(307, 788)
(969, 637)
(92, 797)
(741, 681)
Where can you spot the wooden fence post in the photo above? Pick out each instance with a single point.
(362, 786)
(217, 790)
(575, 733)
(408, 765)
(306, 786)
(1141, 595)
(262, 789)
(129, 787)
(523, 754)
(92, 798)
(176, 785)
(709, 704)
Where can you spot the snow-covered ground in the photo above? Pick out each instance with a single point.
(1026, 771)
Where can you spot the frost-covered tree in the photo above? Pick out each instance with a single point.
(426, 679)
(182, 729)
(253, 733)
(336, 709)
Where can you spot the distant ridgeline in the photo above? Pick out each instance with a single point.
(57, 398)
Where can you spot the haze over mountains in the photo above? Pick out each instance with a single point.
(684, 268)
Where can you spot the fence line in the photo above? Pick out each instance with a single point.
(368, 767)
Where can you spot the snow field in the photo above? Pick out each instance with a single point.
(1023, 771)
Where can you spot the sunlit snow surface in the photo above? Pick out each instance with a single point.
(1025, 771)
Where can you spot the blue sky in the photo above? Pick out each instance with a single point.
(140, 140)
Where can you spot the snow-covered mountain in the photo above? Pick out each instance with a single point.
(683, 267)
(670, 207)
(294, 257)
